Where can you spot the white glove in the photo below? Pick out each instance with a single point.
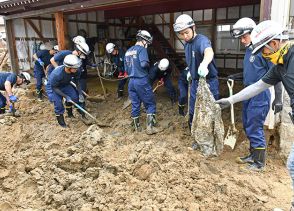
(81, 99)
(189, 77)
(202, 70)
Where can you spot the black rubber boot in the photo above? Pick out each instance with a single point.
(190, 121)
(181, 110)
(2, 110)
(246, 159)
(68, 107)
(136, 124)
(39, 95)
(259, 160)
(151, 123)
(60, 120)
(120, 93)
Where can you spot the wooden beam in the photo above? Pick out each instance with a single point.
(265, 10)
(30, 22)
(60, 30)
(11, 46)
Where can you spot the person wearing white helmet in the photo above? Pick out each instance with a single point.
(268, 38)
(79, 39)
(42, 60)
(117, 56)
(7, 81)
(137, 65)
(255, 109)
(199, 57)
(161, 71)
(59, 82)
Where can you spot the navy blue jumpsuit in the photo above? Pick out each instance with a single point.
(11, 77)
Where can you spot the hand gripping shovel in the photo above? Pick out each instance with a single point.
(232, 133)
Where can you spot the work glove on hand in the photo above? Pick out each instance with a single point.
(277, 106)
(81, 98)
(223, 103)
(202, 70)
(13, 98)
(40, 62)
(189, 77)
(68, 99)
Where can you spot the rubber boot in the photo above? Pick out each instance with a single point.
(40, 95)
(136, 124)
(181, 110)
(120, 93)
(60, 120)
(2, 110)
(259, 160)
(190, 121)
(247, 158)
(68, 107)
(151, 123)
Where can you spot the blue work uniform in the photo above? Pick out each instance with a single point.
(137, 64)
(255, 109)
(194, 53)
(11, 77)
(183, 87)
(61, 80)
(156, 74)
(39, 73)
(118, 60)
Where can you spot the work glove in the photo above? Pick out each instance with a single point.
(45, 81)
(189, 77)
(68, 99)
(202, 70)
(277, 106)
(81, 98)
(13, 98)
(224, 103)
(40, 62)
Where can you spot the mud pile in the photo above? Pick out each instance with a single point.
(46, 167)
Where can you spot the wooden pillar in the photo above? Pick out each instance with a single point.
(171, 30)
(60, 30)
(265, 10)
(11, 46)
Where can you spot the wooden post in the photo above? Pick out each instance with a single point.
(60, 30)
(11, 46)
(265, 10)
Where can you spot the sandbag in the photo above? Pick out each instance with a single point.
(207, 125)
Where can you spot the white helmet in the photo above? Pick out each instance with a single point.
(145, 35)
(110, 47)
(26, 77)
(83, 47)
(56, 48)
(43, 47)
(265, 32)
(242, 26)
(78, 39)
(72, 61)
(163, 64)
(184, 21)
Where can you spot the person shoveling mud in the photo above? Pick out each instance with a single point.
(207, 125)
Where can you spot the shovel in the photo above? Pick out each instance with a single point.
(90, 98)
(128, 102)
(232, 133)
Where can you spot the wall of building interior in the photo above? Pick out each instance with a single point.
(214, 23)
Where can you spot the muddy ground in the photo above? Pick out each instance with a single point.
(46, 167)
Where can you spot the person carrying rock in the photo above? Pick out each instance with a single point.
(7, 81)
(255, 109)
(140, 90)
(59, 82)
(161, 71)
(268, 38)
(117, 57)
(199, 58)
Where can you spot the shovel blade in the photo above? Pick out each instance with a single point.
(231, 138)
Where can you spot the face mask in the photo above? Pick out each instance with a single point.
(277, 57)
